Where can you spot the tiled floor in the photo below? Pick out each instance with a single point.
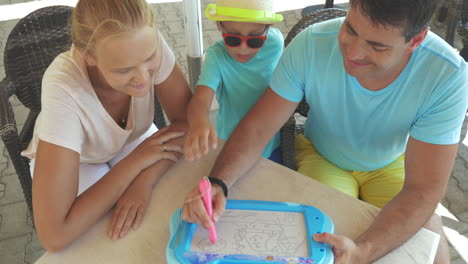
(18, 242)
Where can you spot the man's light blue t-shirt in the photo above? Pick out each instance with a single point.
(239, 85)
(363, 130)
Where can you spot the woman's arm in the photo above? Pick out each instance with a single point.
(60, 216)
(131, 206)
(174, 95)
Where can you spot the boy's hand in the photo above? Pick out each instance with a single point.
(199, 139)
(130, 209)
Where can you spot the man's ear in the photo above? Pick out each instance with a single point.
(417, 40)
(218, 24)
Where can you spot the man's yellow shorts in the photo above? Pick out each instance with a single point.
(375, 187)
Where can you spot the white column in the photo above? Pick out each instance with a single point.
(194, 37)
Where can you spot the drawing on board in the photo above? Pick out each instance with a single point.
(205, 245)
(256, 233)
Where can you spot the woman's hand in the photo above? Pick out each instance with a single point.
(194, 211)
(130, 209)
(131, 206)
(200, 137)
(156, 147)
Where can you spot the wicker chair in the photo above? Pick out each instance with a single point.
(463, 29)
(30, 48)
(455, 14)
(290, 130)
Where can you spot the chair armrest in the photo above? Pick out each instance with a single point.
(8, 128)
(288, 136)
(13, 143)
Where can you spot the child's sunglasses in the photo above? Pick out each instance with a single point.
(254, 42)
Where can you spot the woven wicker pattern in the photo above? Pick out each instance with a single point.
(30, 48)
(290, 130)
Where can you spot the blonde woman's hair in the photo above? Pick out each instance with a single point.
(93, 20)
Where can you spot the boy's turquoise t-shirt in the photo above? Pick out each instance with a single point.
(362, 130)
(239, 85)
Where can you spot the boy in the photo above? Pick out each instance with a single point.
(237, 69)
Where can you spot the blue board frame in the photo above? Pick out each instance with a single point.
(315, 221)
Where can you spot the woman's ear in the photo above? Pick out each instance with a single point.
(90, 61)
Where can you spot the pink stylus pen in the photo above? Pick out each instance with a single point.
(205, 190)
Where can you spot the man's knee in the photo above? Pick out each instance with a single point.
(435, 224)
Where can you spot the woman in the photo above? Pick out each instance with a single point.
(94, 144)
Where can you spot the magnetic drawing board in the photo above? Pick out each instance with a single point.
(254, 232)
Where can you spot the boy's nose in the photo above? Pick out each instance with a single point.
(244, 45)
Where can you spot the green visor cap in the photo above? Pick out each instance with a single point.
(222, 13)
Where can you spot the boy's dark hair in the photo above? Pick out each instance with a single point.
(413, 15)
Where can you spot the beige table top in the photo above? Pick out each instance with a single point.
(266, 181)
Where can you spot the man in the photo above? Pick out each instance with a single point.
(387, 100)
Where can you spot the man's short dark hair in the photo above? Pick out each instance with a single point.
(413, 15)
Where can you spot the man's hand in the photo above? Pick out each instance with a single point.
(344, 249)
(194, 211)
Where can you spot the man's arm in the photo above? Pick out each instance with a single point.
(246, 143)
(241, 152)
(427, 168)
